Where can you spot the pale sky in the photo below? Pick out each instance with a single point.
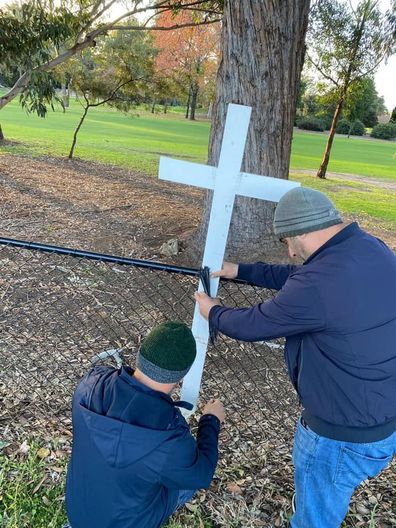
(385, 78)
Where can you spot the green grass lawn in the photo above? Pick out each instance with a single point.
(365, 156)
(31, 491)
(373, 205)
(136, 140)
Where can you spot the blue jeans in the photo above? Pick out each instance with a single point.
(326, 473)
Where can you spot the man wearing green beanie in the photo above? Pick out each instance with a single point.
(134, 461)
(337, 312)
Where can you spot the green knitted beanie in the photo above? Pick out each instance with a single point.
(167, 352)
(303, 210)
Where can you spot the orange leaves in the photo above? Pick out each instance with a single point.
(188, 50)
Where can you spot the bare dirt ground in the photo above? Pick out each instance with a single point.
(93, 207)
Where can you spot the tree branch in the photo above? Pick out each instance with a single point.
(118, 87)
(25, 78)
(166, 28)
(325, 75)
(165, 6)
(95, 16)
(89, 40)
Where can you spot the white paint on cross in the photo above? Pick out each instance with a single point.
(226, 181)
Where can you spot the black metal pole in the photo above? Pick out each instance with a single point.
(47, 248)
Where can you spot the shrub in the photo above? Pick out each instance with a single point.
(357, 128)
(310, 123)
(343, 126)
(384, 131)
(326, 120)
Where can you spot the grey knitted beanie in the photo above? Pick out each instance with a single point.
(303, 210)
(167, 352)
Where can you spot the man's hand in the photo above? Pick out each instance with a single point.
(228, 271)
(216, 408)
(205, 303)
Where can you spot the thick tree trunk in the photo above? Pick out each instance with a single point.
(326, 156)
(86, 108)
(194, 99)
(262, 57)
(2, 138)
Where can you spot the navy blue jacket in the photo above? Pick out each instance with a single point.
(132, 453)
(338, 314)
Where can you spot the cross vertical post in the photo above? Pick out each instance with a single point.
(227, 181)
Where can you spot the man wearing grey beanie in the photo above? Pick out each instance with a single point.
(337, 312)
(134, 460)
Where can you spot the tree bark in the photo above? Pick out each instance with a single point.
(326, 156)
(262, 57)
(65, 95)
(86, 108)
(2, 138)
(188, 103)
(194, 99)
(210, 109)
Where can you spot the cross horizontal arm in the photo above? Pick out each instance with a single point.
(187, 172)
(264, 187)
(250, 185)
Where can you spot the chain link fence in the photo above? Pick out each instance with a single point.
(61, 310)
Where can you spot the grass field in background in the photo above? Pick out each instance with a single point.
(375, 205)
(136, 140)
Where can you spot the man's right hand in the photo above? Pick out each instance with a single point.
(216, 408)
(228, 271)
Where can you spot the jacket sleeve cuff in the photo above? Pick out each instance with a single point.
(214, 315)
(245, 272)
(212, 420)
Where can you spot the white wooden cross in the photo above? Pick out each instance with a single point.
(226, 181)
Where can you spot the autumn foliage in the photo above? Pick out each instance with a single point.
(188, 54)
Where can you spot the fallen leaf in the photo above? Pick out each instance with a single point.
(233, 488)
(24, 448)
(43, 452)
(39, 485)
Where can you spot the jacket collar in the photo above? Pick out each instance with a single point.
(348, 232)
(126, 374)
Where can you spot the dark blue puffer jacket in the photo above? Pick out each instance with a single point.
(338, 314)
(132, 453)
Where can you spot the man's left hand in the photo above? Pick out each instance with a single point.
(205, 303)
